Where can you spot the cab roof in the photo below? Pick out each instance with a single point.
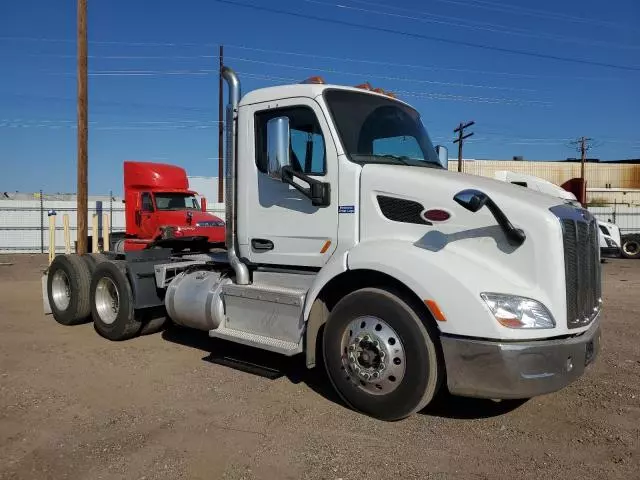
(308, 90)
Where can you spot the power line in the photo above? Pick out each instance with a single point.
(431, 37)
(515, 9)
(281, 52)
(474, 25)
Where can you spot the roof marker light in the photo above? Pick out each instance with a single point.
(314, 80)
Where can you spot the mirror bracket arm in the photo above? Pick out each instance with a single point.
(515, 236)
(320, 199)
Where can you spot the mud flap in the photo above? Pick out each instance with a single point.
(45, 296)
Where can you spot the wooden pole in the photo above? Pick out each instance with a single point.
(52, 238)
(105, 232)
(67, 234)
(94, 233)
(83, 125)
(220, 131)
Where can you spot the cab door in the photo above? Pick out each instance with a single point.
(283, 227)
(147, 215)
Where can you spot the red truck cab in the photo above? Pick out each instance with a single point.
(160, 209)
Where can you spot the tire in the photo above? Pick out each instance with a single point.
(68, 290)
(409, 374)
(112, 302)
(93, 259)
(630, 247)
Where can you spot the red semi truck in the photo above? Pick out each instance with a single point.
(161, 210)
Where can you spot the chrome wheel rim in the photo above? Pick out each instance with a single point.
(61, 290)
(373, 356)
(631, 248)
(107, 300)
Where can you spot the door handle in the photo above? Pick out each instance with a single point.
(261, 245)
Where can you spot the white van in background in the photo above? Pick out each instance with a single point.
(609, 233)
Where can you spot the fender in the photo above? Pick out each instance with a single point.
(450, 277)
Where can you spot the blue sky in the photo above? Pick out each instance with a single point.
(153, 83)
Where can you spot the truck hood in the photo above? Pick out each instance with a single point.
(442, 185)
(179, 217)
(467, 242)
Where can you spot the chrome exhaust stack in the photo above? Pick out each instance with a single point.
(231, 162)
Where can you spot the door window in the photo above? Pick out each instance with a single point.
(306, 142)
(147, 202)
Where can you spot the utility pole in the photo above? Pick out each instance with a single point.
(220, 130)
(583, 145)
(460, 140)
(82, 128)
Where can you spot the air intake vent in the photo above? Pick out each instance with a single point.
(401, 210)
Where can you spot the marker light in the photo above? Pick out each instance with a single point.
(316, 80)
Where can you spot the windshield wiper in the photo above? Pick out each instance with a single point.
(402, 159)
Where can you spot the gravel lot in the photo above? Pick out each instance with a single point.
(73, 405)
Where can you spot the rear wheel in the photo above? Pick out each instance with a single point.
(112, 302)
(381, 357)
(93, 259)
(630, 246)
(68, 289)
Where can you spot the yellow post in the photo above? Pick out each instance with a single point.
(94, 234)
(105, 232)
(52, 238)
(67, 233)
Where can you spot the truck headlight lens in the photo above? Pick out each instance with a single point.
(518, 312)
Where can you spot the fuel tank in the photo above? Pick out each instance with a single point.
(194, 299)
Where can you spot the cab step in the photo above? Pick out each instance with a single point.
(255, 340)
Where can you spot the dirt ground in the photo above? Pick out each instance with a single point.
(73, 405)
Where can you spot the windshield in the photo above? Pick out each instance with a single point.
(375, 129)
(176, 201)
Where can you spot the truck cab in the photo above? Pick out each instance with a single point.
(349, 242)
(161, 210)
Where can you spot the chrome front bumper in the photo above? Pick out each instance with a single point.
(504, 370)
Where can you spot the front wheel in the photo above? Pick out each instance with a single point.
(382, 359)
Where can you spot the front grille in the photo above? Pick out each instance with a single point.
(582, 268)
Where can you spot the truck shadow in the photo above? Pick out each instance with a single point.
(274, 366)
(254, 361)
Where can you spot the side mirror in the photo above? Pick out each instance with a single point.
(472, 200)
(443, 155)
(203, 204)
(277, 146)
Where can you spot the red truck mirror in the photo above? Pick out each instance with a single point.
(203, 204)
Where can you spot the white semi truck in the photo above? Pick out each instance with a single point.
(348, 242)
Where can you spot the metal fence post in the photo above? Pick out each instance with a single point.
(110, 211)
(615, 207)
(41, 223)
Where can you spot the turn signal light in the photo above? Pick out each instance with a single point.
(317, 80)
(435, 310)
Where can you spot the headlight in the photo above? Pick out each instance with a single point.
(610, 243)
(518, 312)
